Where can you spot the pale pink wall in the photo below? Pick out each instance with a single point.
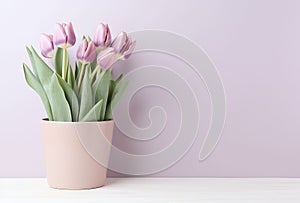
(254, 44)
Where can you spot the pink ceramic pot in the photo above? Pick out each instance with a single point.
(71, 151)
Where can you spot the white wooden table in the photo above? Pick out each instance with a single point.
(155, 190)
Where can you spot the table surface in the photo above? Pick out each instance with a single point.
(141, 190)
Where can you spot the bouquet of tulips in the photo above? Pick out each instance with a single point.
(85, 91)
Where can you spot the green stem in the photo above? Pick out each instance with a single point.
(118, 57)
(81, 74)
(95, 71)
(64, 65)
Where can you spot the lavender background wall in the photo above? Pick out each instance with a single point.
(254, 44)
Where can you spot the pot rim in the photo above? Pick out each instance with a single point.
(46, 120)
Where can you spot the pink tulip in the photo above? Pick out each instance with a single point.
(102, 37)
(64, 35)
(86, 51)
(129, 49)
(106, 58)
(123, 45)
(119, 42)
(46, 45)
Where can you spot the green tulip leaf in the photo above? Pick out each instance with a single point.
(76, 71)
(85, 95)
(101, 90)
(70, 76)
(58, 60)
(59, 105)
(98, 79)
(99, 73)
(58, 101)
(112, 92)
(118, 94)
(71, 97)
(112, 87)
(32, 62)
(35, 84)
(94, 113)
(94, 64)
(118, 90)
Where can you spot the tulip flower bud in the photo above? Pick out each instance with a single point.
(102, 37)
(123, 45)
(86, 51)
(106, 58)
(64, 35)
(46, 45)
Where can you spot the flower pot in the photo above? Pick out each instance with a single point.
(72, 151)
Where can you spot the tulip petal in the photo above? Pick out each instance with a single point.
(106, 51)
(46, 45)
(128, 52)
(60, 36)
(71, 38)
(102, 35)
(127, 45)
(106, 58)
(119, 42)
(81, 49)
(99, 36)
(108, 36)
(90, 52)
